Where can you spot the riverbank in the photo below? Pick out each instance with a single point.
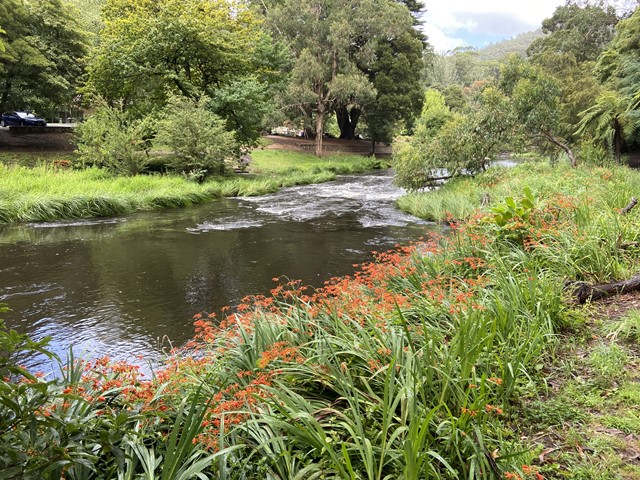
(42, 187)
(463, 356)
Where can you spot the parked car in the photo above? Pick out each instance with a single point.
(21, 119)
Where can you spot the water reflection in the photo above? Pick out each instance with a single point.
(119, 286)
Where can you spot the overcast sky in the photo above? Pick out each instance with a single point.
(454, 23)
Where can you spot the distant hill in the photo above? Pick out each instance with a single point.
(518, 44)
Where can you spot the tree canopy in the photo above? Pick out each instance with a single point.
(331, 42)
(152, 49)
(42, 61)
(582, 30)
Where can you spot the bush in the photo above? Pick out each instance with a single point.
(594, 154)
(109, 140)
(197, 137)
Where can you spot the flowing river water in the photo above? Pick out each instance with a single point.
(127, 287)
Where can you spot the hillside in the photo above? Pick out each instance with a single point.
(517, 44)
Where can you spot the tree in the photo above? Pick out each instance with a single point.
(447, 145)
(197, 137)
(395, 73)
(330, 40)
(536, 101)
(90, 12)
(614, 118)
(582, 30)
(150, 50)
(609, 120)
(396, 78)
(619, 65)
(44, 53)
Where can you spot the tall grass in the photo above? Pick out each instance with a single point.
(45, 192)
(461, 197)
(412, 368)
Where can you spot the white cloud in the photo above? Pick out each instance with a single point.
(441, 41)
(446, 21)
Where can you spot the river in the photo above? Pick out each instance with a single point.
(127, 287)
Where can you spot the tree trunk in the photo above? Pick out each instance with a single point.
(319, 128)
(373, 147)
(563, 146)
(617, 140)
(347, 121)
(584, 292)
(5, 94)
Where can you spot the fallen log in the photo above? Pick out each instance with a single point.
(632, 203)
(584, 292)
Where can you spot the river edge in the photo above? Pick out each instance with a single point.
(47, 190)
(294, 364)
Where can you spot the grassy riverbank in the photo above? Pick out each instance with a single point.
(462, 356)
(39, 188)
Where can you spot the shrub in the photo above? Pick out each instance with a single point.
(197, 137)
(109, 140)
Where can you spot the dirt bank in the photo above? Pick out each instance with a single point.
(330, 145)
(55, 139)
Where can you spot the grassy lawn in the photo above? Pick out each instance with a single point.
(38, 187)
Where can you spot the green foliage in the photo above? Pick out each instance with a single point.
(581, 30)
(44, 52)
(610, 120)
(537, 98)
(109, 139)
(331, 44)
(197, 137)
(607, 362)
(512, 209)
(243, 104)
(448, 145)
(396, 78)
(90, 12)
(435, 113)
(152, 50)
(594, 153)
(627, 327)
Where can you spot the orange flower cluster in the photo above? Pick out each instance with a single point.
(527, 470)
(280, 351)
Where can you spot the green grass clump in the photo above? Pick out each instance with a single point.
(44, 190)
(613, 186)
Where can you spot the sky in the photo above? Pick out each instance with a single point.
(477, 23)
